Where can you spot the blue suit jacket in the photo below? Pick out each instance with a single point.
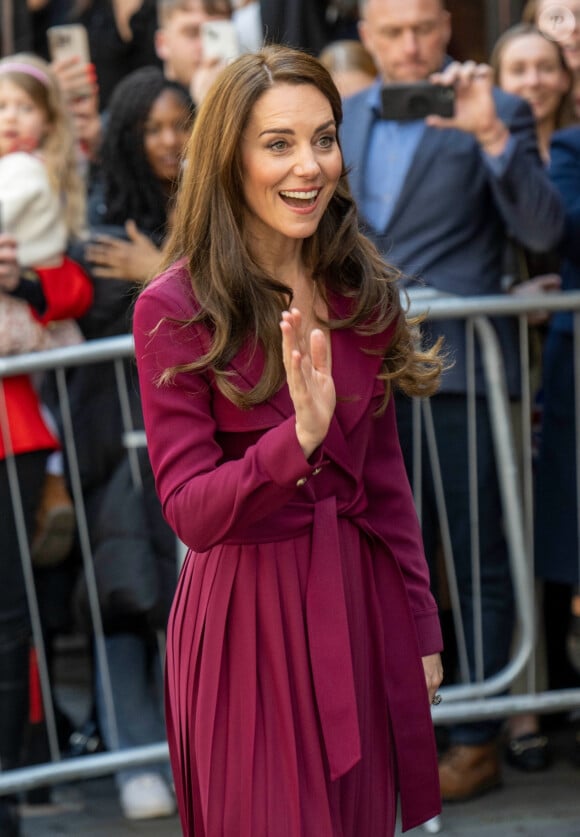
(565, 175)
(449, 224)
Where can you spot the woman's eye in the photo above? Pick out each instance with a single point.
(326, 141)
(278, 145)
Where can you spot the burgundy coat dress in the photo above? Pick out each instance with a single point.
(295, 694)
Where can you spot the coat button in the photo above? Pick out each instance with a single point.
(302, 481)
(316, 471)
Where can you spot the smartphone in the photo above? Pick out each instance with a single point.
(68, 40)
(404, 102)
(219, 39)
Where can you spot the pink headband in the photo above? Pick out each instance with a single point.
(28, 69)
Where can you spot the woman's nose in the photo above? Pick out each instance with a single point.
(307, 164)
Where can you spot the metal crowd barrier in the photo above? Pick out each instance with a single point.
(462, 702)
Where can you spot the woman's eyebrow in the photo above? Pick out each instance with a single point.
(330, 123)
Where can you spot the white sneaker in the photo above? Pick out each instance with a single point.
(145, 797)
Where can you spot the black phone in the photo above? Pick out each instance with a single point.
(404, 102)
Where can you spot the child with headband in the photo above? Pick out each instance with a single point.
(41, 190)
(42, 206)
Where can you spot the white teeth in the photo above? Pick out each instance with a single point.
(305, 196)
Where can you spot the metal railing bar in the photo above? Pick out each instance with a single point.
(82, 767)
(474, 503)
(447, 307)
(446, 545)
(87, 554)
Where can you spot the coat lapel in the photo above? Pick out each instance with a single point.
(354, 368)
(354, 143)
(425, 158)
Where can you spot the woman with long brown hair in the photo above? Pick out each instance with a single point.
(528, 64)
(303, 644)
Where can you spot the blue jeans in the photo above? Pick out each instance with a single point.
(137, 690)
(450, 422)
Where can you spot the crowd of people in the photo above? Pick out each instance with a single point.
(253, 221)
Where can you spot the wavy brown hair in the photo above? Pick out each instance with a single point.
(238, 300)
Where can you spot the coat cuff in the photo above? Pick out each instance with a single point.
(282, 457)
(428, 632)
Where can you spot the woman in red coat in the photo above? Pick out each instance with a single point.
(303, 642)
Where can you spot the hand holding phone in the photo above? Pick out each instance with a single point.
(67, 41)
(68, 46)
(405, 102)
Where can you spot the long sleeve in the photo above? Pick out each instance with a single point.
(530, 206)
(68, 291)
(31, 210)
(205, 500)
(565, 175)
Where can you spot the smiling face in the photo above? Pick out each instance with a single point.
(291, 164)
(530, 66)
(165, 134)
(23, 123)
(407, 38)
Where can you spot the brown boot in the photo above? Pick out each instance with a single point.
(55, 523)
(466, 771)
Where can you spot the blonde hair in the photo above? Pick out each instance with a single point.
(167, 8)
(59, 146)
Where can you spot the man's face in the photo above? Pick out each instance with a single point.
(407, 38)
(178, 41)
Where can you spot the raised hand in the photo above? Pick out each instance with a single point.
(307, 362)
(475, 110)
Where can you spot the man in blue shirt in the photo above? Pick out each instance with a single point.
(438, 197)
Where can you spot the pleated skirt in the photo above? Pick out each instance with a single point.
(244, 735)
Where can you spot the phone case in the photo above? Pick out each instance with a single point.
(219, 40)
(404, 102)
(68, 40)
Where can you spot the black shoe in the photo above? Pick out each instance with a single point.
(9, 817)
(84, 742)
(528, 752)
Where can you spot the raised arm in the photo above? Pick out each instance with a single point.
(205, 499)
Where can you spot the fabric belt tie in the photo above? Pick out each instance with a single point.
(329, 641)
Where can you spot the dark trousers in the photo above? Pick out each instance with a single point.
(556, 502)
(14, 617)
(450, 424)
